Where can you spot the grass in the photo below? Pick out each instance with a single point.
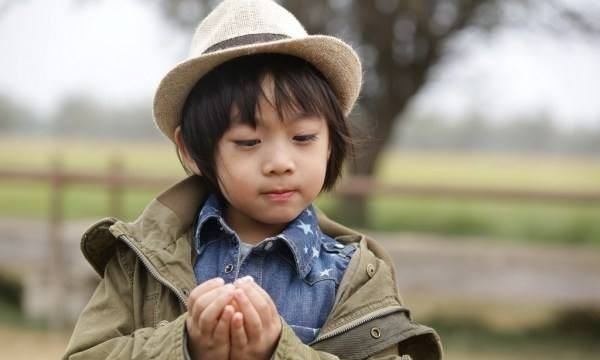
(507, 171)
(572, 334)
(508, 220)
(521, 220)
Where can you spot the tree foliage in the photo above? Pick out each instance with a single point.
(15, 117)
(399, 43)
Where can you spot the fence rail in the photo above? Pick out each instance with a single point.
(356, 185)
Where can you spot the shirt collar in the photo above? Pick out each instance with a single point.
(302, 235)
(211, 210)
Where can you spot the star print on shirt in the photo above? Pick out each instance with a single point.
(309, 213)
(315, 252)
(305, 250)
(305, 227)
(325, 272)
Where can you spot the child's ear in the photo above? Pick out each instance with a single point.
(189, 163)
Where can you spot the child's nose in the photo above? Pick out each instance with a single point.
(278, 161)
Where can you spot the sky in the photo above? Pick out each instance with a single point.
(117, 50)
(114, 50)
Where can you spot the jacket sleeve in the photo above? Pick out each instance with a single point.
(105, 329)
(290, 347)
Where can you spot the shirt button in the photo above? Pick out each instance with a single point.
(339, 246)
(228, 268)
(268, 246)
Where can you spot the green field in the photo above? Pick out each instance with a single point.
(521, 221)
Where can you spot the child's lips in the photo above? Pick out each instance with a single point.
(280, 195)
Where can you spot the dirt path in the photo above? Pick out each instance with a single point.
(429, 265)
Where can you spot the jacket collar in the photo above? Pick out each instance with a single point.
(167, 221)
(164, 240)
(302, 236)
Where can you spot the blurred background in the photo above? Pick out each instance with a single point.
(477, 161)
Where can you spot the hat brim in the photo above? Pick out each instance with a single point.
(335, 59)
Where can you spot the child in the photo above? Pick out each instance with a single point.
(235, 262)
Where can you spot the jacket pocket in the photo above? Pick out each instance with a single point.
(371, 337)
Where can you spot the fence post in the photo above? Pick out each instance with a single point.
(115, 186)
(56, 263)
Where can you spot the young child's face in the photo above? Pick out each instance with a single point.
(270, 174)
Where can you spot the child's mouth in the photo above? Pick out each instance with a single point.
(282, 195)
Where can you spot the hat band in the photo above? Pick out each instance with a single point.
(245, 40)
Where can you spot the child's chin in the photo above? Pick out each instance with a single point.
(280, 217)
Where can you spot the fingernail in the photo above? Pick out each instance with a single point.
(229, 287)
(244, 280)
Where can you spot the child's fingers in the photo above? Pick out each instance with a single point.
(221, 333)
(207, 285)
(239, 339)
(267, 298)
(204, 288)
(263, 306)
(197, 305)
(252, 320)
(210, 316)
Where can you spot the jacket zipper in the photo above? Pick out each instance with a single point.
(152, 270)
(358, 322)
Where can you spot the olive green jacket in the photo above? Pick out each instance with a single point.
(138, 310)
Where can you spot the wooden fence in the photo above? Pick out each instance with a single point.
(116, 181)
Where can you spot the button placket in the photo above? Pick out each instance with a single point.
(229, 265)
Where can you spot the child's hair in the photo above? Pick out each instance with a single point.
(298, 87)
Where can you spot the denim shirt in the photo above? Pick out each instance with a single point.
(300, 268)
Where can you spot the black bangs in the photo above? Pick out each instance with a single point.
(230, 93)
(297, 86)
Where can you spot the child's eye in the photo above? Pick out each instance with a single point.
(305, 138)
(247, 143)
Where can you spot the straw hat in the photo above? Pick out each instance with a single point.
(242, 27)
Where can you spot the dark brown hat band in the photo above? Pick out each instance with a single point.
(245, 40)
